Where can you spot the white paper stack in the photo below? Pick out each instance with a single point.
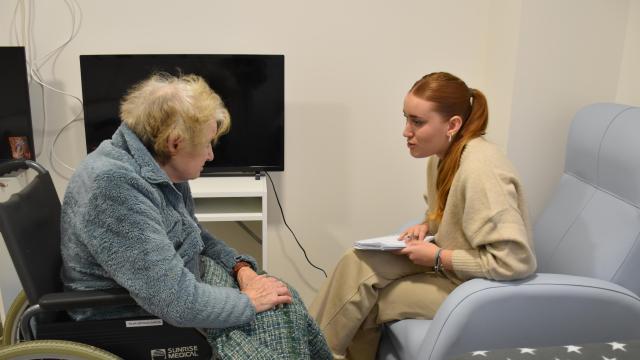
(384, 243)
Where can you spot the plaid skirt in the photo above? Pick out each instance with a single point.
(284, 333)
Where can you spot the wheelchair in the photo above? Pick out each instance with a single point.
(37, 325)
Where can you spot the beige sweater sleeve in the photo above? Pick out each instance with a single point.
(486, 222)
(499, 252)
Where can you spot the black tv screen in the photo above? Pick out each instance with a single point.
(16, 134)
(251, 86)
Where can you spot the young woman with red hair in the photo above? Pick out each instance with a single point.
(475, 210)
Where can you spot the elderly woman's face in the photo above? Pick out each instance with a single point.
(188, 160)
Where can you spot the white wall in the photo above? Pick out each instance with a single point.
(629, 84)
(348, 65)
(502, 47)
(569, 55)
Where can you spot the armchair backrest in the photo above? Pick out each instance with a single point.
(591, 225)
(30, 226)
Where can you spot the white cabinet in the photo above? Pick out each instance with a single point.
(232, 199)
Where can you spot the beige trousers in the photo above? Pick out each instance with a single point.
(369, 288)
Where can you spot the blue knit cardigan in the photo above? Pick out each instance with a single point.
(125, 224)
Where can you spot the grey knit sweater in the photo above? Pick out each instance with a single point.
(124, 224)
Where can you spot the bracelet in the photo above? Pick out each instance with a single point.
(239, 265)
(437, 267)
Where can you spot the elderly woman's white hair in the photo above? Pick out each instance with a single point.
(165, 104)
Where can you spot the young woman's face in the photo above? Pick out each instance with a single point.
(426, 130)
(188, 160)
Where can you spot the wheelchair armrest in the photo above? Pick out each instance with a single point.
(84, 299)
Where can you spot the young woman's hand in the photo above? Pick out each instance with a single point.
(420, 253)
(414, 233)
(266, 292)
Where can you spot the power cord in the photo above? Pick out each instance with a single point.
(25, 36)
(287, 225)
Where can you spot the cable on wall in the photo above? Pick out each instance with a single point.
(287, 225)
(250, 232)
(25, 35)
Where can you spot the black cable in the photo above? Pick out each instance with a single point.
(287, 225)
(246, 229)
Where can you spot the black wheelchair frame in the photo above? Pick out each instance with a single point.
(30, 225)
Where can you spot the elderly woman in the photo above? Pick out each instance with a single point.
(128, 221)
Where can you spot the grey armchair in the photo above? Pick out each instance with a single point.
(588, 247)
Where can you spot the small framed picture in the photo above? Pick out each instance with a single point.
(19, 147)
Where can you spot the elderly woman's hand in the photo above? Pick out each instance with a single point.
(245, 276)
(266, 292)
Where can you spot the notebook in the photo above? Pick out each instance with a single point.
(384, 243)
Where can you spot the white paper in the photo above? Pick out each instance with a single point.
(384, 243)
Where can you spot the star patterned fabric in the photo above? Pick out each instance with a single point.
(615, 350)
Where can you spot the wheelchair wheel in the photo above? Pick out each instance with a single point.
(11, 331)
(54, 349)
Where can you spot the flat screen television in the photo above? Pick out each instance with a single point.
(251, 86)
(16, 133)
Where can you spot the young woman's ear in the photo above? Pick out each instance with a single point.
(454, 125)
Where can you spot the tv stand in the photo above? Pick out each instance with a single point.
(231, 199)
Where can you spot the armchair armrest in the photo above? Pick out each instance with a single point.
(83, 299)
(543, 310)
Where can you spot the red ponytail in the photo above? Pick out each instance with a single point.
(452, 97)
